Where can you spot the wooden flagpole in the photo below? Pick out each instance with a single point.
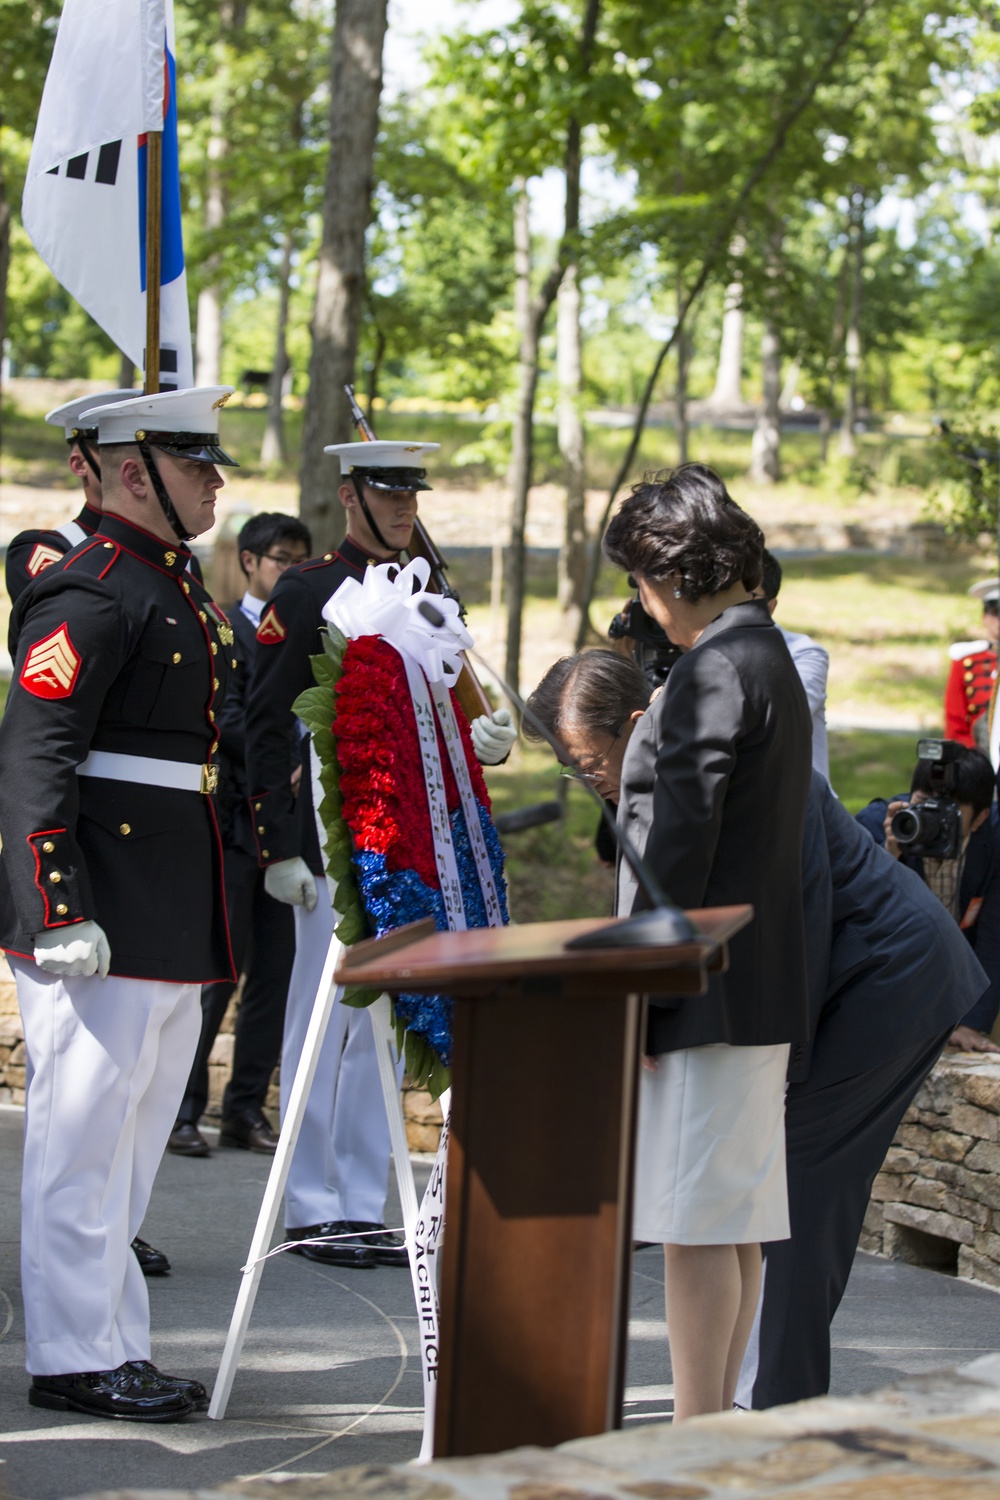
(154, 219)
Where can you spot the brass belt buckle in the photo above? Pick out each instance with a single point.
(209, 780)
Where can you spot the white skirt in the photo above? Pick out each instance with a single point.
(710, 1163)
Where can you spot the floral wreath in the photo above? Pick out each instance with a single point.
(375, 811)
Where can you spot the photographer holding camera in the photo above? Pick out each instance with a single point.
(948, 831)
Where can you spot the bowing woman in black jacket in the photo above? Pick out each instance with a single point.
(714, 786)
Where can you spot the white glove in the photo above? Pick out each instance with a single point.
(493, 737)
(82, 948)
(291, 881)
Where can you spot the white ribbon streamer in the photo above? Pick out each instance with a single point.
(437, 802)
(424, 1247)
(386, 602)
(470, 807)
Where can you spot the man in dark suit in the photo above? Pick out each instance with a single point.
(890, 976)
(262, 930)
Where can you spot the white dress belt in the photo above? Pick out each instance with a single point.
(178, 775)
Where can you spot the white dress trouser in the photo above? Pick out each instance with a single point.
(108, 1061)
(340, 1169)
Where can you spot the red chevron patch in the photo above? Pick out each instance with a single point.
(270, 631)
(52, 666)
(42, 557)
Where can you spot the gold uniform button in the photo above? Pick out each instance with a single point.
(261, 828)
(177, 657)
(328, 557)
(234, 663)
(109, 546)
(61, 910)
(55, 877)
(256, 807)
(211, 716)
(202, 616)
(215, 684)
(265, 854)
(48, 847)
(185, 586)
(125, 828)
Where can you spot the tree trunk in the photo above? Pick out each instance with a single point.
(790, 384)
(765, 448)
(208, 327)
(4, 265)
(846, 444)
(685, 343)
(519, 474)
(572, 449)
(825, 428)
(273, 450)
(375, 370)
(355, 89)
(728, 392)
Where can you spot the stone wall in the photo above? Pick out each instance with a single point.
(422, 1114)
(936, 1201)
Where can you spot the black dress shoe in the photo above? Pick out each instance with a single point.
(249, 1132)
(187, 1140)
(152, 1262)
(127, 1393)
(192, 1389)
(388, 1248)
(348, 1251)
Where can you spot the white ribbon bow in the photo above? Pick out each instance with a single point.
(386, 603)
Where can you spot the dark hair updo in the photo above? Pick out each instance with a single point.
(683, 524)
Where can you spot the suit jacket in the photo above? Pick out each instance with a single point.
(713, 790)
(889, 966)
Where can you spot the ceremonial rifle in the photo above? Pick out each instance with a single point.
(468, 688)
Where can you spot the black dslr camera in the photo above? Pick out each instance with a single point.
(933, 828)
(654, 651)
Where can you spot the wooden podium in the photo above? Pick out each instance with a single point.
(537, 1250)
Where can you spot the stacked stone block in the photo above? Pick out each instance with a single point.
(936, 1201)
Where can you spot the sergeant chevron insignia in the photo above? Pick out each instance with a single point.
(52, 666)
(42, 557)
(271, 630)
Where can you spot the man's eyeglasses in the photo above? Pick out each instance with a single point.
(593, 773)
(282, 559)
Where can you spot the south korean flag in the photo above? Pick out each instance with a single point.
(111, 79)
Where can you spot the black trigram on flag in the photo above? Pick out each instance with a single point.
(107, 165)
(168, 366)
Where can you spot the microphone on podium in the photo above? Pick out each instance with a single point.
(663, 924)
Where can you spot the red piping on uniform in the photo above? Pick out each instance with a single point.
(82, 553)
(44, 834)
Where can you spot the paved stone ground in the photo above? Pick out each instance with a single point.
(328, 1378)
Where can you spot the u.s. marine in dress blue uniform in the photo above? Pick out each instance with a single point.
(339, 1172)
(111, 904)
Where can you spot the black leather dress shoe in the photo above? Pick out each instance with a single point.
(192, 1389)
(388, 1248)
(187, 1140)
(348, 1251)
(126, 1393)
(249, 1132)
(152, 1262)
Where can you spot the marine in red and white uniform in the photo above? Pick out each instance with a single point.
(111, 904)
(339, 1173)
(973, 672)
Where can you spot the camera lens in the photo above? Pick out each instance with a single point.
(907, 825)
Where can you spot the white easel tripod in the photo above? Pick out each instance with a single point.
(327, 995)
